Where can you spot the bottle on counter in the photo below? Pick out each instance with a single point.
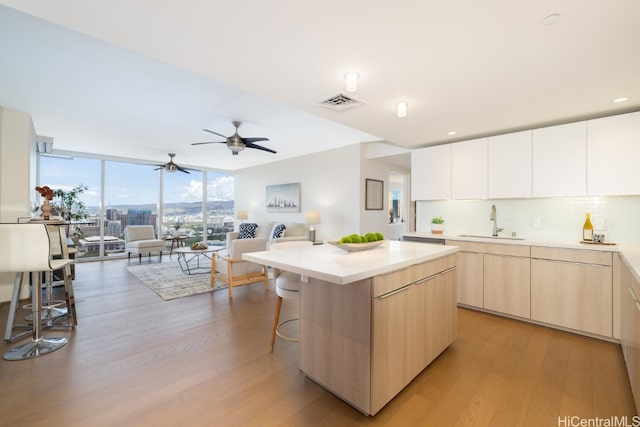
(587, 228)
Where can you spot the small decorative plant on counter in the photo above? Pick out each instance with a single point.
(436, 225)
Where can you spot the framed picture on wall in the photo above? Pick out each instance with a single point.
(283, 197)
(374, 193)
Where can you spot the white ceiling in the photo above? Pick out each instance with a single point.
(139, 79)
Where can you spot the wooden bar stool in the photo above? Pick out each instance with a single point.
(25, 248)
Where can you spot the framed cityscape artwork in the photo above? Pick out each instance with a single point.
(283, 197)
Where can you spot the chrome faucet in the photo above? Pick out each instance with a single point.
(494, 217)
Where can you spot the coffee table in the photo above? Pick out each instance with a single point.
(189, 259)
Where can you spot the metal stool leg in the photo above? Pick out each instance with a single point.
(11, 318)
(49, 306)
(70, 298)
(38, 346)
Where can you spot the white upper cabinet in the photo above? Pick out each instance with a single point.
(431, 173)
(469, 169)
(510, 165)
(613, 151)
(560, 160)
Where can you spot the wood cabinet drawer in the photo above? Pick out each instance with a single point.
(466, 246)
(512, 250)
(572, 255)
(491, 248)
(397, 279)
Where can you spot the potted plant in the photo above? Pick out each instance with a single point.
(72, 209)
(176, 226)
(436, 225)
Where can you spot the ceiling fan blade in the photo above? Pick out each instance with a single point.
(209, 142)
(259, 147)
(215, 133)
(181, 169)
(250, 140)
(158, 168)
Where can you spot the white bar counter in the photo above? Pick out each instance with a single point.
(371, 321)
(332, 264)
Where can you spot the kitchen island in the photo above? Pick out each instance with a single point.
(371, 321)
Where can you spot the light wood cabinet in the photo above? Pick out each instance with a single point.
(470, 279)
(510, 165)
(559, 162)
(507, 284)
(411, 326)
(470, 282)
(630, 328)
(367, 340)
(469, 169)
(572, 289)
(431, 173)
(612, 155)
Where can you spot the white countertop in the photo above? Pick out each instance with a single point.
(630, 252)
(569, 244)
(332, 264)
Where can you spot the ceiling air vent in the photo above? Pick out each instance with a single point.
(341, 102)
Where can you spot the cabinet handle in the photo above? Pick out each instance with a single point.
(633, 294)
(426, 279)
(638, 305)
(397, 291)
(572, 262)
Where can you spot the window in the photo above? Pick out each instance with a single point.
(131, 196)
(67, 173)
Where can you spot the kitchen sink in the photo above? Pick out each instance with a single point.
(488, 236)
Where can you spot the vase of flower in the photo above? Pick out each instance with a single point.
(46, 209)
(47, 193)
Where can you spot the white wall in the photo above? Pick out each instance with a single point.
(329, 183)
(332, 182)
(17, 135)
(559, 218)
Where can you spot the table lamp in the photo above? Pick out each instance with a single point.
(242, 215)
(312, 218)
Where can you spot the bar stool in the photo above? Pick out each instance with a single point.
(287, 287)
(51, 312)
(25, 248)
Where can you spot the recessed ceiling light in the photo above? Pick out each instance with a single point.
(550, 19)
(452, 132)
(352, 81)
(621, 99)
(401, 108)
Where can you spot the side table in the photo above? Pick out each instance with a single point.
(177, 241)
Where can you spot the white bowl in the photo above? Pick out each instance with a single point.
(356, 247)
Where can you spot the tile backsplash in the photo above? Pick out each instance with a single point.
(551, 218)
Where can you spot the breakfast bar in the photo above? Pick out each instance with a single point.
(370, 321)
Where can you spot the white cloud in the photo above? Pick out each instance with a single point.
(220, 188)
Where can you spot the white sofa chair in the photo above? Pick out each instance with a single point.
(294, 231)
(141, 239)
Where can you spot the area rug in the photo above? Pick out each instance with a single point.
(169, 282)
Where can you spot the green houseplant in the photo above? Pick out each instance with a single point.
(69, 205)
(71, 208)
(436, 225)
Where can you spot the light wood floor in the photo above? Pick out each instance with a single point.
(136, 360)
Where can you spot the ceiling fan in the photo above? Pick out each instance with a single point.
(235, 142)
(172, 167)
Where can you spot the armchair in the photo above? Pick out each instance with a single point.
(141, 239)
(231, 269)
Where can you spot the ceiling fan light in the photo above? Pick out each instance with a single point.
(401, 109)
(352, 81)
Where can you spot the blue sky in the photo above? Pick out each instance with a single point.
(129, 183)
